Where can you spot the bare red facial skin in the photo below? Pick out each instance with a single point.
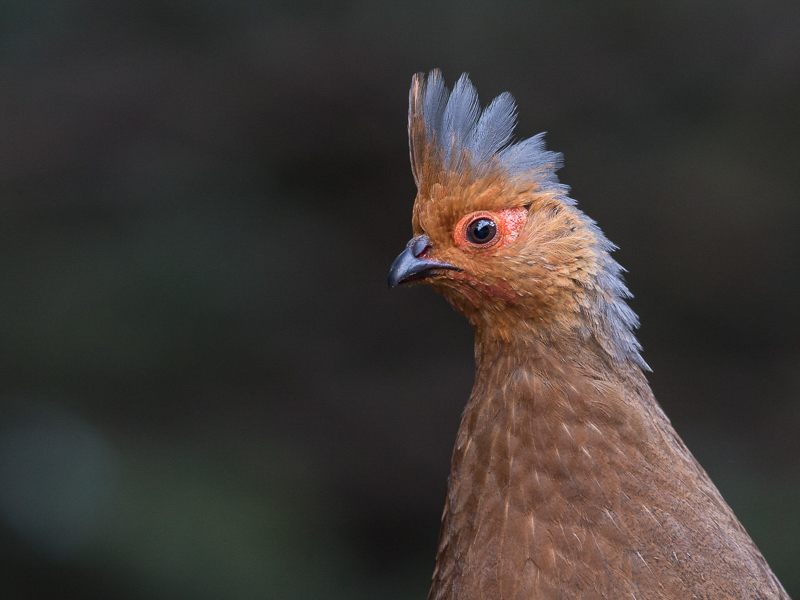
(509, 222)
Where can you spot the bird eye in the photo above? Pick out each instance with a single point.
(481, 231)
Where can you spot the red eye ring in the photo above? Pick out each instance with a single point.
(485, 229)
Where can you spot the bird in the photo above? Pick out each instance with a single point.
(567, 479)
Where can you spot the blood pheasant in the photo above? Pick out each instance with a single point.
(567, 479)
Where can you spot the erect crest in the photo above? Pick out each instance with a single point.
(450, 136)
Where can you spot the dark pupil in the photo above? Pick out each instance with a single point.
(482, 231)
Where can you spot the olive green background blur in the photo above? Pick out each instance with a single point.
(207, 391)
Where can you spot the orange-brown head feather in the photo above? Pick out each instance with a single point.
(547, 271)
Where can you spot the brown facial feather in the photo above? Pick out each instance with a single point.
(545, 272)
(567, 479)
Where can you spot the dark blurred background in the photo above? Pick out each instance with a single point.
(207, 390)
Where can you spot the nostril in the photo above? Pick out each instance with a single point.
(420, 246)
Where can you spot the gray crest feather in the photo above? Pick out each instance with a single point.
(466, 136)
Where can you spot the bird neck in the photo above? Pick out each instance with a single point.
(535, 387)
(559, 352)
(535, 446)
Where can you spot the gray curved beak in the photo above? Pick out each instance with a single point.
(408, 266)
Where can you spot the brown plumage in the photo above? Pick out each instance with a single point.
(567, 479)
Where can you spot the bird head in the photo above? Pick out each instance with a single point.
(494, 230)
